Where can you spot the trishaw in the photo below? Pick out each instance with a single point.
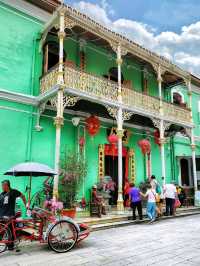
(59, 232)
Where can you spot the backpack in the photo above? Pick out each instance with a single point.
(158, 189)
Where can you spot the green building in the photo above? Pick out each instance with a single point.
(59, 67)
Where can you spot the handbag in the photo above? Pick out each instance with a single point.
(157, 198)
(177, 203)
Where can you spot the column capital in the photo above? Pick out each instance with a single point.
(193, 147)
(120, 133)
(61, 34)
(162, 141)
(58, 121)
(160, 79)
(119, 61)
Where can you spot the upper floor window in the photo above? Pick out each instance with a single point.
(51, 55)
(177, 97)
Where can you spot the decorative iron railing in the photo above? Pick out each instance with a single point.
(176, 113)
(107, 90)
(144, 103)
(90, 84)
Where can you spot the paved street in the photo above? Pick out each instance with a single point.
(169, 242)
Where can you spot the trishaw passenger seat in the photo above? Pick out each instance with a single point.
(18, 214)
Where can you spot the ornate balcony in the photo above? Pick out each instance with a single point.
(106, 90)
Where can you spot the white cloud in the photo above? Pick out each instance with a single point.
(183, 48)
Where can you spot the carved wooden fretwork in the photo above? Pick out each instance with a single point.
(101, 161)
(114, 110)
(126, 115)
(158, 69)
(68, 100)
(114, 46)
(157, 124)
(69, 23)
(166, 125)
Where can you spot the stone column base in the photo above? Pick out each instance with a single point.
(120, 202)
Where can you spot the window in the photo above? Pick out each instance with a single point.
(51, 55)
(177, 97)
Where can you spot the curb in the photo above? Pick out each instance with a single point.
(106, 226)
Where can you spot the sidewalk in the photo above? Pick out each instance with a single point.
(122, 218)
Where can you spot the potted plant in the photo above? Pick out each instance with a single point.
(73, 171)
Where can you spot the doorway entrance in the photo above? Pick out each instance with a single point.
(111, 169)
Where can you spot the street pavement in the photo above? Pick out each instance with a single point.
(164, 243)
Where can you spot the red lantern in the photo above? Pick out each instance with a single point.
(81, 143)
(113, 139)
(92, 125)
(145, 146)
(157, 137)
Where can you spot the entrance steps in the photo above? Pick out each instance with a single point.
(117, 219)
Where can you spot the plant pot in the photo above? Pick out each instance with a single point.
(69, 212)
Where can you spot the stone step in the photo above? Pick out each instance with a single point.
(110, 224)
(115, 217)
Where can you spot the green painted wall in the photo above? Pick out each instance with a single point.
(17, 49)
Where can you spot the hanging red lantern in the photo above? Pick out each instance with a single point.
(113, 139)
(81, 143)
(145, 146)
(157, 137)
(92, 125)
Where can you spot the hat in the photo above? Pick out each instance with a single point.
(94, 186)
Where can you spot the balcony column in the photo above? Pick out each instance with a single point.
(59, 120)
(159, 79)
(119, 132)
(193, 146)
(162, 150)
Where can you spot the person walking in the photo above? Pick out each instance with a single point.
(151, 202)
(170, 196)
(136, 201)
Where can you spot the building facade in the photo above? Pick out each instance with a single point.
(60, 67)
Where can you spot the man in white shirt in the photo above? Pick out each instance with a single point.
(170, 195)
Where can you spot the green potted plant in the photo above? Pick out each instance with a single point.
(73, 171)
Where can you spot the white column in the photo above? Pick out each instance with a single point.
(159, 79)
(59, 117)
(162, 128)
(162, 150)
(193, 146)
(120, 133)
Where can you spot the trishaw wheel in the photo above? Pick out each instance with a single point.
(62, 237)
(5, 236)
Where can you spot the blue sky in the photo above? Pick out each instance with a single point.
(160, 14)
(169, 27)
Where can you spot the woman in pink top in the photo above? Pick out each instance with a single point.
(151, 203)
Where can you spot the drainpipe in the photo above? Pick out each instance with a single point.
(28, 154)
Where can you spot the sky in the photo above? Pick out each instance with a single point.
(170, 28)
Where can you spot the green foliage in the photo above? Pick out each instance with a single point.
(73, 171)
